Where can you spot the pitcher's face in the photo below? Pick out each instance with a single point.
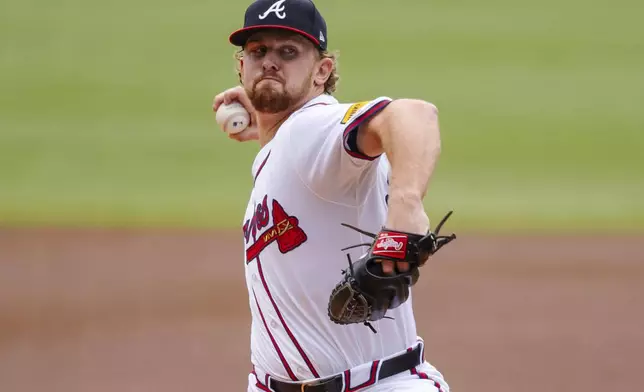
(277, 70)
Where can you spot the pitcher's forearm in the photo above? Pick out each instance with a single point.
(408, 132)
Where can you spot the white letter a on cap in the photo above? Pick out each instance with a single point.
(278, 8)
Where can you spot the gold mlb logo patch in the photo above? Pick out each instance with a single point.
(352, 111)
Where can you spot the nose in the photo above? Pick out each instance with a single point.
(269, 66)
(270, 63)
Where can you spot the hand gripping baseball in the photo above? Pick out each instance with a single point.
(366, 293)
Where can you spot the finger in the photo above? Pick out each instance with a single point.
(241, 97)
(245, 136)
(387, 267)
(234, 94)
(252, 121)
(229, 97)
(217, 101)
(403, 266)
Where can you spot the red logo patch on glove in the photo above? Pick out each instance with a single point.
(392, 245)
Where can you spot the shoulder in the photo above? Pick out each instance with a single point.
(321, 106)
(321, 147)
(358, 112)
(330, 113)
(328, 124)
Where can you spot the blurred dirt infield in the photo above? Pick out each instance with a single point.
(101, 310)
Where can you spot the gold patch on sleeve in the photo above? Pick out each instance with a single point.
(353, 109)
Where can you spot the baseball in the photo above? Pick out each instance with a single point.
(232, 118)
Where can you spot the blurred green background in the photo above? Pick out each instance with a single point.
(105, 109)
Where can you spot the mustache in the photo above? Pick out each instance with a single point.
(269, 76)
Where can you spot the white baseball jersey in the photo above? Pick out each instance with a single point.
(307, 181)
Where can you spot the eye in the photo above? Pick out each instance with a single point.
(258, 51)
(288, 52)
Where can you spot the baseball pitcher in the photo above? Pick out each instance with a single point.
(335, 230)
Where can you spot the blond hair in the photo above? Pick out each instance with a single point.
(329, 86)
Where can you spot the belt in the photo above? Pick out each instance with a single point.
(388, 368)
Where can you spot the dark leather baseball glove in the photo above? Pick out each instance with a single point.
(366, 293)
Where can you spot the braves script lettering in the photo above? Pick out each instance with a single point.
(258, 221)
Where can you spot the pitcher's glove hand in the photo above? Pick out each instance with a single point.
(366, 293)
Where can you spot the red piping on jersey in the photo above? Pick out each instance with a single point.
(315, 104)
(370, 381)
(259, 170)
(286, 328)
(277, 348)
(356, 124)
(259, 384)
(423, 375)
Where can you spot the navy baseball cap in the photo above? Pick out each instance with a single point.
(299, 16)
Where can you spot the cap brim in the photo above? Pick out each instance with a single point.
(239, 37)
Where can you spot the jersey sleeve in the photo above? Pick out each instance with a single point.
(323, 141)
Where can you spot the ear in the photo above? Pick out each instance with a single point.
(323, 71)
(240, 71)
